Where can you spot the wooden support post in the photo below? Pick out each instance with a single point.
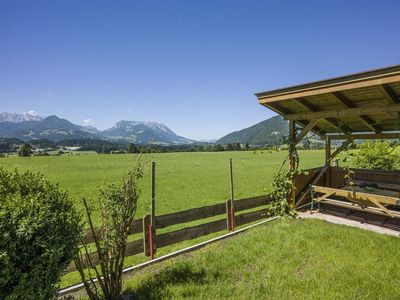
(292, 140)
(146, 235)
(153, 209)
(344, 145)
(232, 205)
(327, 151)
(328, 161)
(292, 158)
(306, 130)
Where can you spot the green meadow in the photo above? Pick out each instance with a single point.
(257, 264)
(183, 180)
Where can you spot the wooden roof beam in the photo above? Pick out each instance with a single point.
(345, 112)
(285, 111)
(298, 92)
(306, 130)
(363, 118)
(388, 93)
(306, 104)
(364, 136)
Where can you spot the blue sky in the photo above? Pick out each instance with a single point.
(192, 65)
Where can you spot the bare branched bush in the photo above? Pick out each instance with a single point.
(117, 203)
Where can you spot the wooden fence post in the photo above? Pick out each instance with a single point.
(228, 215)
(232, 200)
(146, 235)
(153, 207)
(152, 232)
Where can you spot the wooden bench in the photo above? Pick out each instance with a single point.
(375, 200)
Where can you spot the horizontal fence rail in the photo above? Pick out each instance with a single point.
(142, 245)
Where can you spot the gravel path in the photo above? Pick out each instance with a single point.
(347, 222)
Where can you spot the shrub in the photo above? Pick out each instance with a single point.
(39, 234)
(377, 155)
(117, 204)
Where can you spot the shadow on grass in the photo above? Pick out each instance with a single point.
(158, 286)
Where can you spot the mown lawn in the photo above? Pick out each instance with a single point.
(283, 259)
(183, 180)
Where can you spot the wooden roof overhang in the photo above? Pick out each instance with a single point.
(367, 102)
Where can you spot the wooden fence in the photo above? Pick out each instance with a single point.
(151, 240)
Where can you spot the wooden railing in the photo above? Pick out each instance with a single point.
(142, 245)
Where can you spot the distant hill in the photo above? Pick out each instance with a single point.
(143, 133)
(268, 132)
(28, 127)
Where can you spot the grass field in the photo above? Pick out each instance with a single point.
(304, 264)
(183, 180)
(283, 259)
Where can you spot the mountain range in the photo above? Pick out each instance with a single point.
(30, 126)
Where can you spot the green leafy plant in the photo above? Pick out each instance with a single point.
(377, 155)
(281, 193)
(39, 235)
(348, 172)
(117, 207)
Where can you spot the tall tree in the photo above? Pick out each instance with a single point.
(25, 150)
(132, 148)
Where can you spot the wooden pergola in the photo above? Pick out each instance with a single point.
(358, 106)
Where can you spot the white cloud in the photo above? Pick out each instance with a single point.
(50, 93)
(88, 122)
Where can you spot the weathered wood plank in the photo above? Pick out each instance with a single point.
(199, 213)
(364, 136)
(345, 112)
(348, 104)
(189, 233)
(354, 206)
(303, 179)
(266, 98)
(380, 185)
(363, 196)
(306, 130)
(190, 215)
(132, 248)
(250, 217)
(136, 227)
(307, 190)
(251, 202)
